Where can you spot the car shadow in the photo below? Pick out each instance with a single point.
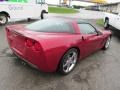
(25, 65)
(115, 32)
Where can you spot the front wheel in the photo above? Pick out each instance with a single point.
(68, 61)
(3, 19)
(107, 44)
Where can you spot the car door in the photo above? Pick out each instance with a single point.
(90, 38)
(118, 21)
(38, 7)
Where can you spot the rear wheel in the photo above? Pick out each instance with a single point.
(106, 24)
(68, 61)
(43, 14)
(3, 19)
(29, 19)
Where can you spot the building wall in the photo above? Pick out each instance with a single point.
(113, 8)
(110, 8)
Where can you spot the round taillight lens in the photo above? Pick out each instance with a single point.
(29, 43)
(37, 47)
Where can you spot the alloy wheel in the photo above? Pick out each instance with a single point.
(107, 43)
(70, 62)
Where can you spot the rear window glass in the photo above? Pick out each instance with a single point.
(51, 25)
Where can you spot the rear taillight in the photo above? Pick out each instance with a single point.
(37, 46)
(34, 45)
(29, 42)
(7, 29)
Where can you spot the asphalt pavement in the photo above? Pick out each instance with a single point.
(99, 71)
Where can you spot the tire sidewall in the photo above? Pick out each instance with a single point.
(63, 59)
(106, 24)
(42, 15)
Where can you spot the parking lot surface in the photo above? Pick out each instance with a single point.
(99, 71)
(83, 14)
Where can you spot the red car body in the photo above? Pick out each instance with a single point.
(45, 50)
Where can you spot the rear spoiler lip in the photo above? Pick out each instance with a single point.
(12, 27)
(17, 33)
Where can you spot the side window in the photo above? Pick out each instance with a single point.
(43, 1)
(40, 1)
(87, 29)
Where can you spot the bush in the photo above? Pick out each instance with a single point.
(77, 7)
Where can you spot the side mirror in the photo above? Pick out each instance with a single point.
(99, 33)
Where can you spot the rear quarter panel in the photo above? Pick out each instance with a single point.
(55, 46)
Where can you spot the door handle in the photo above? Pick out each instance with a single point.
(84, 38)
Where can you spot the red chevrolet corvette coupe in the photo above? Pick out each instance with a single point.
(56, 44)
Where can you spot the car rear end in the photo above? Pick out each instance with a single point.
(41, 43)
(26, 46)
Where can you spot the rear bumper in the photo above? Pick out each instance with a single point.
(35, 60)
(32, 65)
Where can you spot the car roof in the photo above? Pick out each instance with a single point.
(44, 27)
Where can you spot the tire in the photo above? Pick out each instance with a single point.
(68, 61)
(3, 19)
(42, 14)
(107, 44)
(106, 24)
(29, 19)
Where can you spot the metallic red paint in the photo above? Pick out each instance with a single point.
(53, 45)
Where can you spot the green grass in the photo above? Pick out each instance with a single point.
(61, 10)
(100, 22)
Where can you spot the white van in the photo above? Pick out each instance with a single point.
(21, 9)
(113, 20)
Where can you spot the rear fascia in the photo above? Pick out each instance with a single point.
(29, 55)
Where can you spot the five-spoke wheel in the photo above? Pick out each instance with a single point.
(68, 61)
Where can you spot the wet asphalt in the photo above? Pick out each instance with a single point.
(99, 71)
